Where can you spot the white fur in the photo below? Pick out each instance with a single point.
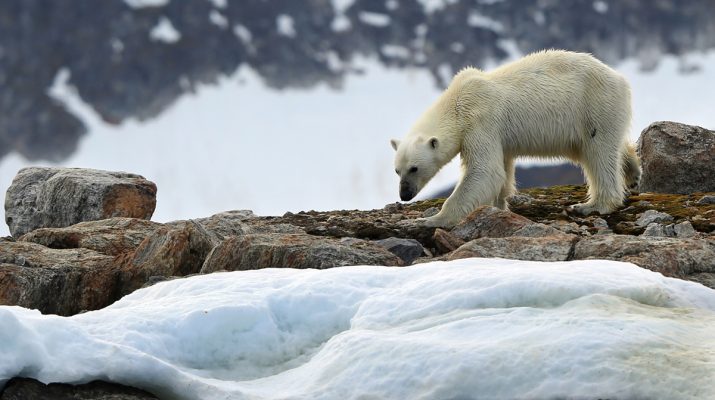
(548, 104)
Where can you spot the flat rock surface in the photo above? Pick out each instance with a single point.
(28, 389)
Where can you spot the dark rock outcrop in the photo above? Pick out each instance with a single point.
(273, 250)
(677, 158)
(27, 389)
(58, 197)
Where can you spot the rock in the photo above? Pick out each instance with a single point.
(652, 216)
(274, 250)
(707, 199)
(657, 230)
(546, 248)
(59, 197)
(520, 199)
(55, 281)
(113, 236)
(407, 249)
(704, 278)
(677, 158)
(685, 230)
(432, 211)
(176, 250)
(25, 389)
(487, 221)
(669, 256)
(225, 224)
(600, 223)
(445, 241)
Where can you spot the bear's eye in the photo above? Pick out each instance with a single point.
(413, 170)
(397, 171)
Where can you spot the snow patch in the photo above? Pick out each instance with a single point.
(500, 328)
(165, 32)
(395, 51)
(218, 19)
(431, 6)
(219, 3)
(600, 6)
(146, 3)
(477, 20)
(374, 19)
(285, 25)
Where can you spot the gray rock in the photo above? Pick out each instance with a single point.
(407, 249)
(657, 230)
(600, 223)
(59, 197)
(677, 158)
(24, 389)
(670, 256)
(707, 199)
(275, 250)
(651, 216)
(520, 199)
(685, 230)
(430, 212)
(546, 248)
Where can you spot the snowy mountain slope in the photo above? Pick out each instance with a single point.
(473, 328)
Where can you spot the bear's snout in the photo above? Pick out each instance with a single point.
(406, 191)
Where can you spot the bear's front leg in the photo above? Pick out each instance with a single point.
(481, 184)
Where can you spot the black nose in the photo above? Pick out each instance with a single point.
(406, 193)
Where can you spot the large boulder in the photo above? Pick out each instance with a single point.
(274, 250)
(55, 281)
(59, 197)
(677, 158)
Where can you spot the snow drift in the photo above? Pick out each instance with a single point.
(474, 328)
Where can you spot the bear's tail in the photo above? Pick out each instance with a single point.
(631, 167)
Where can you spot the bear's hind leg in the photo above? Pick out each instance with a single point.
(509, 187)
(603, 165)
(631, 167)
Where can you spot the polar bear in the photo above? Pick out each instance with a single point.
(552, 103)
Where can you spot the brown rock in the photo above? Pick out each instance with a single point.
(273, 250)
(488, 221)
(111, 236)
(59, 197)
(547, 248)
(55, 281)
(26, 389)
(677, 158)
(669, 256)
(445, 241)
(176, 250)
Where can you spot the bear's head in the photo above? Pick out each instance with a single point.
(416, 162)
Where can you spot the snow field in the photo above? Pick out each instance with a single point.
(474, 328)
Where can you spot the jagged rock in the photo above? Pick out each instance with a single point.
(273, 250)
(669, 256)
(113, 236)
(445, 241)
(225, 224)
(652, 216)
(55, 281)
(407, 249)
(432, 211)
(487, 221)
(546, 248)
(677, 158)
(704, 278)
(655, 229)
(684, 230)
(59, 197)
(25, 389)
(176, 250)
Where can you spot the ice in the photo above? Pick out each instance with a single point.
(486, 328)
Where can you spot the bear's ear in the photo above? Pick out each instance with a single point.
(394, 143)
(434, 142)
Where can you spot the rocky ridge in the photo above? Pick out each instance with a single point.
(74, 266)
